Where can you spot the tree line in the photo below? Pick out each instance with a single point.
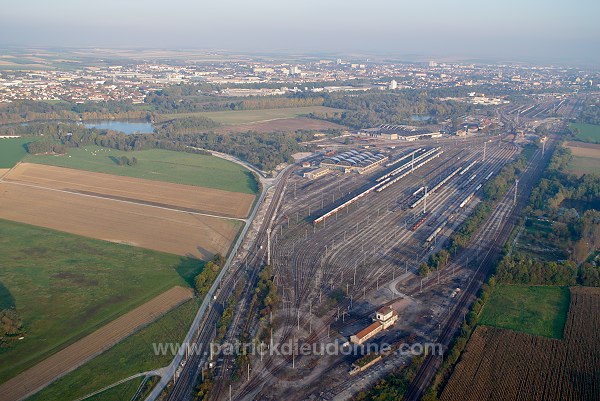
(44, 147)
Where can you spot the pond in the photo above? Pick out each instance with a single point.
(128, 127)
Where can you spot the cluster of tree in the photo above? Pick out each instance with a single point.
(166, 101)
(228, 312)
(520, 269)
(188, 125)
(207, 276)
(280, 102)
(496, 187)
(589, 274)
(557, 185)
(265, 294)
(590, 114)
(11, 326)
(464, 234)
(370, 109)
(437, 261)
(264, 150)
(45, 146)
(203, 389)
(126, 161)
(576, 233)
(393, 386)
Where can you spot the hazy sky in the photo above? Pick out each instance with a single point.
(529, 30)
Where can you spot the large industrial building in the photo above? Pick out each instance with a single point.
(317, 173)
(399, 132)
(354, 160)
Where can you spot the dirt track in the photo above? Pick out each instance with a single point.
(75, 355)
(148, 227)
(204, 200)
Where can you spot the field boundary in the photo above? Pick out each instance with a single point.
(73, 356)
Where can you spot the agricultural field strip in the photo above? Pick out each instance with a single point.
(75, 355)
(99, 196)
(163, 230)
(176, 197)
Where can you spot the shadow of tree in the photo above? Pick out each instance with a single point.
(189, 267)
(7, 301)
(251, 181)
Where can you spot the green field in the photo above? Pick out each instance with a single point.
(12, 151)
(587, 132)
(65, 287)
(537, 310)
(159, 165)
(133, 355)
(253, 116)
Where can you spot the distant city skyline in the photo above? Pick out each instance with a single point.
(532, 31)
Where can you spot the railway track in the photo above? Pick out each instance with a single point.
(506, 216)
(187, 378)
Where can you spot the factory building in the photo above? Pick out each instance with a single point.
(354, 160)
(399, 132)
(386, 317)
(317, 173)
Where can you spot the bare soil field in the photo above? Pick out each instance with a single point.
(184, 197)
(586, 158)
(282, 124)
(172, 231)
(75, 355)
(3, 171)
(584, 149)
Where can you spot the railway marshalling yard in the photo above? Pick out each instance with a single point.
(344, 245)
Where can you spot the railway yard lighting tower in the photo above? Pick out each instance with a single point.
(269, 246)
(543, 146)
(484, 147)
